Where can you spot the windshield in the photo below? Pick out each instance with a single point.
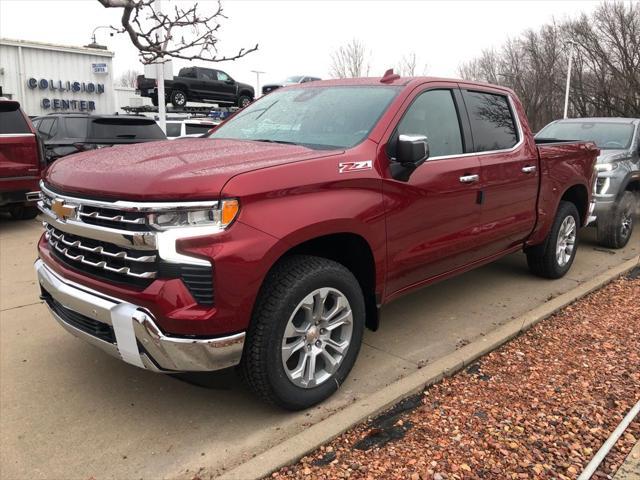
(294, 79)
(606, 135)
(320, 117)
(125, 128)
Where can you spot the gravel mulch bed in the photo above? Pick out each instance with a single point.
(538, 407)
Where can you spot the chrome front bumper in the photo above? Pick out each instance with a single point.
(137, 338)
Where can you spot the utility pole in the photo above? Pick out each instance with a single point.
(257, 72)
(568, 86)
(162, 106)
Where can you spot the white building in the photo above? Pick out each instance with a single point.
(48, 78)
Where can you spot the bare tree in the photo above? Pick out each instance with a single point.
(186, 33)
(605, 78)
(407, 65)
(350, 61)
(128, 79)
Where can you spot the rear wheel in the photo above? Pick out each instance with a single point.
(178, 98)
(615, 232)
(554, 257)
(305, 333)
(243, 101)
(23, 212)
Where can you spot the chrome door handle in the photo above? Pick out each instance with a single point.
(469, 178)
(529, 169)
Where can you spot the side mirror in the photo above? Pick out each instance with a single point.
(411, 152)
(230, 81)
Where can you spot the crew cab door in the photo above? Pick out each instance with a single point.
(509, 176)
(432, 218)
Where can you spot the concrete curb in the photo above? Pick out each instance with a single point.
(294, 448)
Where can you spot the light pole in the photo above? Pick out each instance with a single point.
(257, 72)
(162, 106)
(568, 86)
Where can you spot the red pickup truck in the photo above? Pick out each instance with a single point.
(273, 243)
(21, 161)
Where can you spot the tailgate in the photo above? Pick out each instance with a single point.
(19, 155)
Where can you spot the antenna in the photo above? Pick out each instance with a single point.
(389, 76)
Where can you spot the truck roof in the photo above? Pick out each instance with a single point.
(400, 81)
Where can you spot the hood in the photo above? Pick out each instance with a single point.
(245, 86)
(183, 169)
(608, 156)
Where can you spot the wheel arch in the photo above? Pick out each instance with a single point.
(579, 196)
(352, 251)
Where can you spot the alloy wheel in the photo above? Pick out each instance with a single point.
(566, 241)
(317, 337)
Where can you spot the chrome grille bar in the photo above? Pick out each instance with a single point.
(99, 250)
(62, 246)
(115, 218)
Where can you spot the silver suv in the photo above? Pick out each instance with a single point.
(617, 191)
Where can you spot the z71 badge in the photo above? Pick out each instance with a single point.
(354, 166)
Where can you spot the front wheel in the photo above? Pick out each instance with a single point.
(554, 258)
(305, 334)
(616, 231)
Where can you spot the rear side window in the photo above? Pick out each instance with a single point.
(492, 124)
(11, 119)
(173, 129)
(434, 115)
(187, 73)
(197, 128)
(76, 127)
(125, 128)
(44, 129)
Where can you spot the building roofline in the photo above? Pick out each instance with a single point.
(58, 48)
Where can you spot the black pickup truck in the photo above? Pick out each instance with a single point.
(196, 84)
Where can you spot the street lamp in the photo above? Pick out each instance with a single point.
(257, 72)
(572, 44)
(95, 44)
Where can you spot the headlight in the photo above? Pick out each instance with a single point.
(606, 167)
(220, 216)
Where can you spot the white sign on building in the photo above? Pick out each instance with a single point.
(48, 78)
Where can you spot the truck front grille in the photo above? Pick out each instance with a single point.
(136, 264)
(110, 262)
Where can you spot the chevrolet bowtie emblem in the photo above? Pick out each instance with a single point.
(62, 211)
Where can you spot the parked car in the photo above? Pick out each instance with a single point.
(21, 161)
(191, 127)
(269, 87)
(272, 243)
(197, 84)
(617, 192)
(64, 134)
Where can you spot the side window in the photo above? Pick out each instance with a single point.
(188, 73)
(223, 77)
(492, 123)
(434, 115)
(209, 75)
(45, 128)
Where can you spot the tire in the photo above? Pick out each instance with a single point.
(615, 231)
(24, 212)
(244, 100)
(178, 98)
(279, 309)
(554, 257)
(154, 101)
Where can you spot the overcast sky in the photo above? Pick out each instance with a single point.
(297, 37)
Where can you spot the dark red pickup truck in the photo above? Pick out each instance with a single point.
(21, 161)
(273, 243)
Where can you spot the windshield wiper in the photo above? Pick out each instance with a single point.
(268, 140)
